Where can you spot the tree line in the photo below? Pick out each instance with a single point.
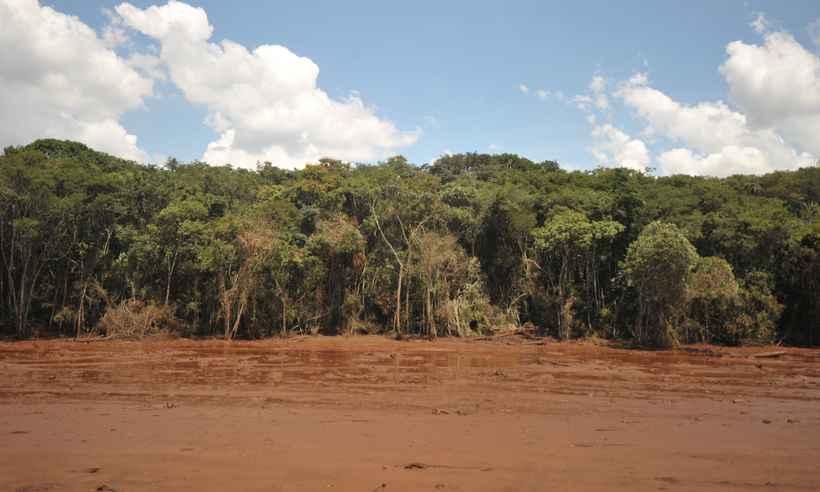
(90, 242)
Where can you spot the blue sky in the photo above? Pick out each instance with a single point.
(450, 72)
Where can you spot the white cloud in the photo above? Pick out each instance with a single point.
(777, 85)
(716, 140)
(583, 102)
(523, 88)
(542, 94)
(639, 78)
(760, 24)
(60, 80)
(772, 123)
(493, 148)
(595, 99)
(113, 33)
(730, 160)
(616, 148)
(612, 147)
(149, 65)
(597, 84)
(264, 103)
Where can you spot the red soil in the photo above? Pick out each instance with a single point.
(367, 413)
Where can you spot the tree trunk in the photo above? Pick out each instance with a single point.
(235, 327)
(81, 311)
(170, 276)
(397, 315)
(284, 316)
(21, 304)
(431, 318)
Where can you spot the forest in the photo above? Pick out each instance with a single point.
(92, 245)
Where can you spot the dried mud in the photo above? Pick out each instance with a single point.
(369, 414)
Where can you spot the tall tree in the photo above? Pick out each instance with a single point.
(658, 265)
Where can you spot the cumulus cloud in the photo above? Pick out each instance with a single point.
(771, 121)
(523, 88)
(730, 160)
(714, 139)
(777, 85)
(149, 65)
(612, 146)
(615, 148)
(264, 103)
(60, 80)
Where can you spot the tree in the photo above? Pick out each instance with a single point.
(503, 244)
(570, 248)
(713, 296)
(401, 204)
(448, 281)
(759, 309)
(36, 227)
(340, 246)
(178, 229)
(658, 265)
(335, 247)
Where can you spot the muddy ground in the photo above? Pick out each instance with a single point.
(371, 414)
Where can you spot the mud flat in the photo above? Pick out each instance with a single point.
(370, 414)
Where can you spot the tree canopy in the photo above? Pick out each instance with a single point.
(454, 247)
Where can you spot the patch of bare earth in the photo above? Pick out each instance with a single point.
(369, 414)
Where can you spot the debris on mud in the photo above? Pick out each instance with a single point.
(768, 355)
(671, 480)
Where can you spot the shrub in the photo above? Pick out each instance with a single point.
(134, 319)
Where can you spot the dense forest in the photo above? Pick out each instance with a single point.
(92, 244)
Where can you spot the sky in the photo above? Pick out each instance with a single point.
(699, 87)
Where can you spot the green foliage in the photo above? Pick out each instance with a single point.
(759, 309)
(713, 296)
(462, 245)
(571, 251)
(658, 265)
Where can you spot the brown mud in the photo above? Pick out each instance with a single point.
(371, 414)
